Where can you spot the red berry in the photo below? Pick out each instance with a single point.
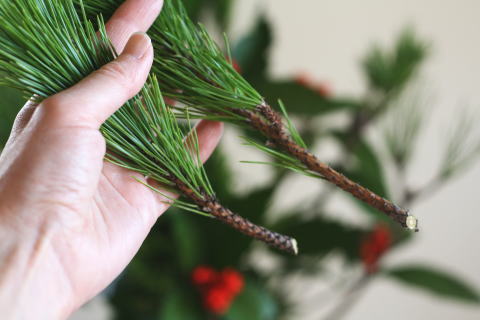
(217, 300)
(369, 256)
(381, 236)
(374, 246)
(322, 88)
(232, 280)
(218, 289)
(236, 66)
(304, 80)
(203, 275)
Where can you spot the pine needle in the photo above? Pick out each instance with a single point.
(46, 47)
(143, 136)
(195, 72)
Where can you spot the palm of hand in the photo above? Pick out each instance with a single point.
(94, 214)
(91, 216)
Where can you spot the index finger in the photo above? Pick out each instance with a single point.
(132, 16)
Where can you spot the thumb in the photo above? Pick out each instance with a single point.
(94, 99)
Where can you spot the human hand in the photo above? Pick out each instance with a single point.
(70, 222)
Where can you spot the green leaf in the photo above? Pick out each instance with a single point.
(435, 282)
(180, 304)
(319, 236)
(222, 10)
(254, 303)
(391, 70)
(368, 170)
(194, 8)
(251, 52)
(187, 240)
(302, 100)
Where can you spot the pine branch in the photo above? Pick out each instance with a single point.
(277, 133)
(209, 204)
(196, 73)
(143, 135)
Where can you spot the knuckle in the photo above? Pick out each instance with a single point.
(117, 72)
(56, 111)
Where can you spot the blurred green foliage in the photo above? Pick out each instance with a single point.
(392, 70)
(435, 282)
(10, 102)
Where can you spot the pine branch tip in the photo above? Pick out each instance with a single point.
(294, 246)
(412, 223)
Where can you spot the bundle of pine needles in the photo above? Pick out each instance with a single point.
(195, 72)
(46, 46)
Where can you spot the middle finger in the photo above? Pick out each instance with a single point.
(132, 16)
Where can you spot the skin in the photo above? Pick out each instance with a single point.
(70, 222)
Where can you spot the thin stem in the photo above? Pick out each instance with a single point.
(349, 299)
(211, 205)
(269, 123)
(414, 195)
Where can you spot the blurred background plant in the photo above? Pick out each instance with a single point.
(193, 268)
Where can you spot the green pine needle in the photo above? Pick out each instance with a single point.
(143, 135)
(192, 67)
(195, 72)
(283, 160)
(291, 127)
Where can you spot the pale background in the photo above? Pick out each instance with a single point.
(327, 39)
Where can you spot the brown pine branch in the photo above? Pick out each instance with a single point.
(270, 124)
(211, 205)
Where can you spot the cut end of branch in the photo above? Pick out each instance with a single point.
(294, 246)
(412, 223)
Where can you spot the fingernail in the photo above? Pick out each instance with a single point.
(138, 45)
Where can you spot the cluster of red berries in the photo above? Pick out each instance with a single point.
(373, 247)
(322, 88)
(218, 288)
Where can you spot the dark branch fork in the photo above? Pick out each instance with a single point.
(210, 205)
(270, 124)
